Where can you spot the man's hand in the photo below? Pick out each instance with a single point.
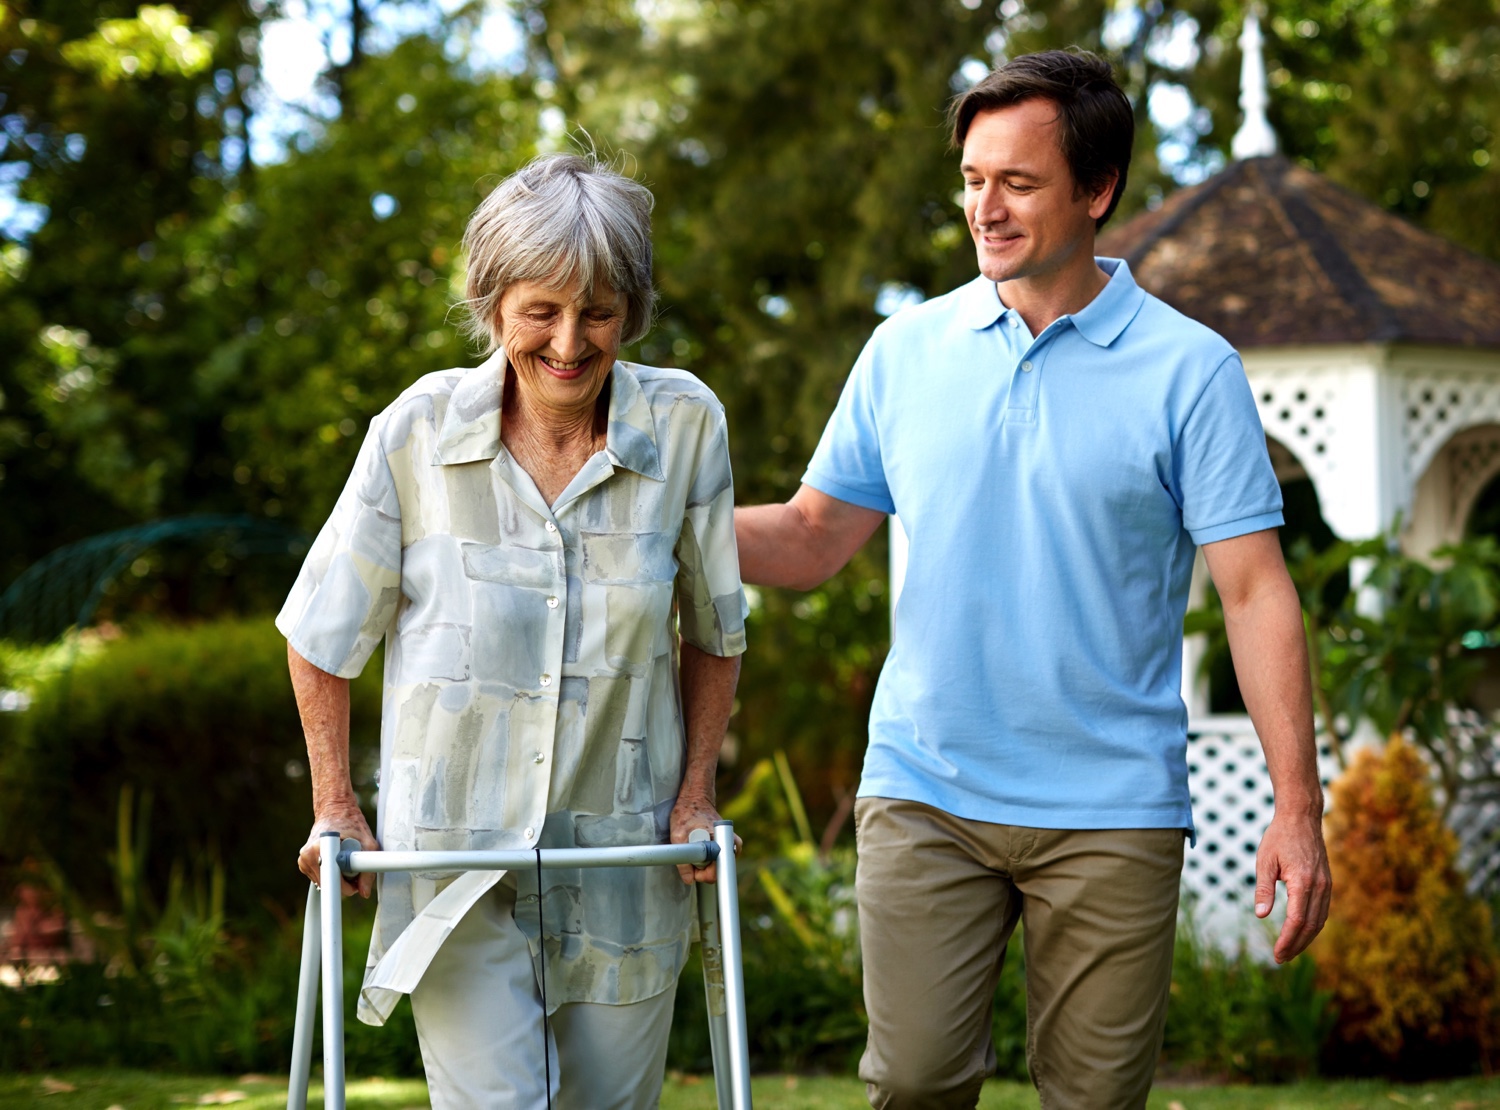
(695, 811)
(1292, 851)
(350, 823)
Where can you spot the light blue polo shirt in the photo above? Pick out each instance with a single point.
(1053, 488)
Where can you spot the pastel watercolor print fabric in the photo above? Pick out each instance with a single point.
(530, 693)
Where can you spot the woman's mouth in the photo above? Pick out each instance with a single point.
(565, 370)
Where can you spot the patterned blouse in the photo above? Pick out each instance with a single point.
(531, 663)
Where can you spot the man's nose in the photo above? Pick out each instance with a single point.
(990, 207)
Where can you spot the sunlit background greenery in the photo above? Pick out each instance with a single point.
(207, 291)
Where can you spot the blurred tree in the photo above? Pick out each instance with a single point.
(124, 131)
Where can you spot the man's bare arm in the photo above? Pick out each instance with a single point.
(801, 543)
(1263, 619)
(708, 683)
(323, 702)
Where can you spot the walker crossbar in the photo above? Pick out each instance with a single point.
(719, 915)
(356, 862)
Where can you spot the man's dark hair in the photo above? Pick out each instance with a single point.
(1097, 124)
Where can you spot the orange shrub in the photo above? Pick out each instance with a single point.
(1407, 953)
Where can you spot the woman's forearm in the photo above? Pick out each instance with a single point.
(323, 702)
(708, 683)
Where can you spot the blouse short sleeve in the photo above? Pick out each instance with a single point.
(346, 595)
(711, 607)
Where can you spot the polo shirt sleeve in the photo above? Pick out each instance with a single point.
(1223, 477)
(848, 464)
(345, 597)
(711, 606)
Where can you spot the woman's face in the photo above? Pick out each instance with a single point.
(560, 343)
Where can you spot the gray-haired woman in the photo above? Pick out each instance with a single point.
(546, 544)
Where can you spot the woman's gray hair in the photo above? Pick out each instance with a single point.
(560, 218)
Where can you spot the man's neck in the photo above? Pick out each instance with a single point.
(1042, 298)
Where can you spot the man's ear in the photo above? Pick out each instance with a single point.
(1100, 198)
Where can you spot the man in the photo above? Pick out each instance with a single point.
(1056, 442)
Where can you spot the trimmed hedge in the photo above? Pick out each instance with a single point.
(199, 718)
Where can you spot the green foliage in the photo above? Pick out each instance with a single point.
(1401, 652)
(159, 39)
(128, 127)
(182, 749)
(1232, 1015)
(231, 1013)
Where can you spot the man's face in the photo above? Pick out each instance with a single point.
(1027, 215)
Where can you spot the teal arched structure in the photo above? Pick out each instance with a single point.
(63, 590)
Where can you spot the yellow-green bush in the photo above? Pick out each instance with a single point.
(1407, 953)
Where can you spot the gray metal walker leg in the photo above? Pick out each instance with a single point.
(307, 1003)
(734, 974)
(711, 952)
(331, 887)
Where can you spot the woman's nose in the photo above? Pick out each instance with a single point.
(568, 339)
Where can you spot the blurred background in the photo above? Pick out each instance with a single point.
(228, 237)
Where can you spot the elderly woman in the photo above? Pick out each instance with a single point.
(546, 544)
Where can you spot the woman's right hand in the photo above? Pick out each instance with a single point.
(349, 823)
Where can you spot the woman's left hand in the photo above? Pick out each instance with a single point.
(696, 811)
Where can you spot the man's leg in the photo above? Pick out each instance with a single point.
(612, 1057)
(479, 1015)
(1100, 913)
(935, 912)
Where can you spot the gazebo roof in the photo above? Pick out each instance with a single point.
(1270, 254)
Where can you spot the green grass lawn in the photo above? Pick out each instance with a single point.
(152, 1091)
(138, 1090)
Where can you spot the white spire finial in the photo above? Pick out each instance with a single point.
(1254, 139)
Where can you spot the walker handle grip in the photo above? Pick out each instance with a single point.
(347, 846)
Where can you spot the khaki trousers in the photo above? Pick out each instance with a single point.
(939, 897)
(479, 1022)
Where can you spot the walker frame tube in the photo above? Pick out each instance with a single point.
(734, 979)
(324, 920)
(307, 1002)
(330, 886)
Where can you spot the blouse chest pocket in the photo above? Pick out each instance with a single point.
(627, 580)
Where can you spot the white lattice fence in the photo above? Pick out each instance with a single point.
(1232, 805)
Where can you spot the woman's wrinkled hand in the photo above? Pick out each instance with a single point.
(695, 811)
(350, 824)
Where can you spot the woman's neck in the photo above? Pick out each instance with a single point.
(551, 445)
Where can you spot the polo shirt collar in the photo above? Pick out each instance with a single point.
(471, 425)
(1100, 321)
(1107, 315)
(980, 303)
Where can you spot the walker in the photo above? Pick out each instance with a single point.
(718, 918)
